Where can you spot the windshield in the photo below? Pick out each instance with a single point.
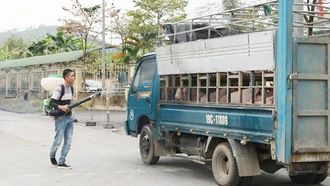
(145, 73)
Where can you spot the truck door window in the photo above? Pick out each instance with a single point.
(144, 73)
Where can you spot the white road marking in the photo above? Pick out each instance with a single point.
(36, 175)
(134, 150)
(82, 174)
(113, 150)
(178, 170)
(129, 171)
(26, 176)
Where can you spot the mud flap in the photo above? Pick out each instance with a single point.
(161, 149)
(246, 158)
(126, 127)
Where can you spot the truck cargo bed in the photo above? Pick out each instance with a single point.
(253, 123)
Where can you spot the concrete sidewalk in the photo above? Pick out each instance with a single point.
(116, 118)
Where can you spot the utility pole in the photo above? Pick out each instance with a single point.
(103, 67)
(103, 46)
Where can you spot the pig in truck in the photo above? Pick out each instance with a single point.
(249, 93)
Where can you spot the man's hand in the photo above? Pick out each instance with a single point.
(64, 108)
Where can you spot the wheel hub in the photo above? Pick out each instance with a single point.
(145, 145)
(224, 165)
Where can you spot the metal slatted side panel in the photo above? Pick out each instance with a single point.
(245, 52)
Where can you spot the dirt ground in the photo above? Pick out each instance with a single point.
(31, 105)
(18, 104)
(34, 105)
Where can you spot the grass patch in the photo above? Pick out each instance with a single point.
(32, 105)
(18, 104)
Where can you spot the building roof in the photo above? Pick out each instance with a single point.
(46, 59)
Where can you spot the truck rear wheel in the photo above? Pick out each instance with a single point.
(309, 178)
(147, 151)
(224, 166)
(320, 178)
(304, 178)
(312, 177)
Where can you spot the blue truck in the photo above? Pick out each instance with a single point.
(246, 88)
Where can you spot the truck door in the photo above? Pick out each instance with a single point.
(140, 96)
(311, 85)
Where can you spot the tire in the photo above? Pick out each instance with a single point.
(304, 178)
(224, 166)
(146, 144)
(311, 178)
(320, 178)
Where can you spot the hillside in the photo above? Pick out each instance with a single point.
(28, 35)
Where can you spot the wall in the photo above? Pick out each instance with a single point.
(115, 101)
(16, 82)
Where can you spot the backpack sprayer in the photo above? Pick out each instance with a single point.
(58, 112)
(49, 84)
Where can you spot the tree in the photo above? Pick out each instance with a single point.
(5, 54)
(230, 4)
(146, 41)
(23, 49)
(15, 47)
(149, 14)
(130, 50)
(119, 23)
(83, 24)
(12, 43)
(310, 18)
(64, 43)
(42, 47)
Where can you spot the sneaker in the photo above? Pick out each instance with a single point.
(53, 161)
(64, 166)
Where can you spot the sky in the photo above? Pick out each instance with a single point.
(23, 14)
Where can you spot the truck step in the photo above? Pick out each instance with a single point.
(192, 158)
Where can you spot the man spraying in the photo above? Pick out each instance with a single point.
(64, 123)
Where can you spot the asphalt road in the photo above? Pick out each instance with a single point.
(99, 157)
(116, 118)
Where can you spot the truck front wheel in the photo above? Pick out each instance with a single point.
(147, 151)
(224, 166)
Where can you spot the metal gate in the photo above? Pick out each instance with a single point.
(311, 83)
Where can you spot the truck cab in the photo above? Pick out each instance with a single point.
(143, 95)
